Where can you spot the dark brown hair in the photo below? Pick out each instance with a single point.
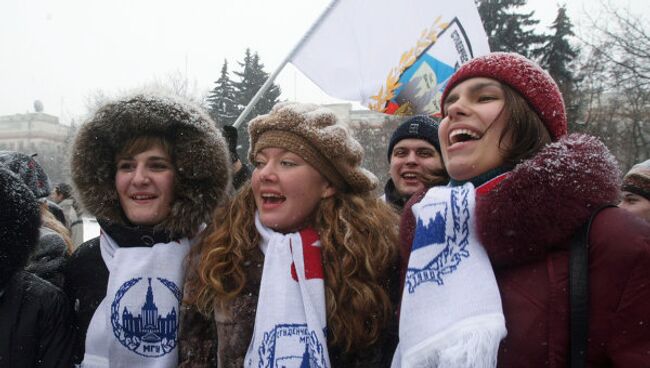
(528, 132)
(142, 143)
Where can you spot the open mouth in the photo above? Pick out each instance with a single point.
(143, 197)
(271, 198)
(463, 135)
(409, 176)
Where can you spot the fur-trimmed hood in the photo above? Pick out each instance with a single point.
(200, 156)
(544, 200)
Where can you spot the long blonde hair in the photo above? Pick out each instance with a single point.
(358, 234)
(49, 221)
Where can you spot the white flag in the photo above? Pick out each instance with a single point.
(392, 55)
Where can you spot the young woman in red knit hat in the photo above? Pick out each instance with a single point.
(504, 134)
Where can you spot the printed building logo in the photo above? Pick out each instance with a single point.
(441, 240)
(415, 86)
(291, 346)
(140, 324)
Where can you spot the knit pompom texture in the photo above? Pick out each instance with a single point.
(323, 132)
(535, 85)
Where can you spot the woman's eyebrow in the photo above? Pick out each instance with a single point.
(480, 86)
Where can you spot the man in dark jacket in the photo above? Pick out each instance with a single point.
(34, 314)
(415, 161)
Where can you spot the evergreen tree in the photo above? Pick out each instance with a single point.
(557, 56)
(222, 102)
(251, 79)
(508, 30)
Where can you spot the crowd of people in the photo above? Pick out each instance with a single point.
(500, 240)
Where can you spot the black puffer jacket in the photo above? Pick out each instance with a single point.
(35, 323)
(36, 320)
(48, 258)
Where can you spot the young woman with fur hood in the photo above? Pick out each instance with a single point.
(35, 316)
(151, 169)
(295, 268)
(505, 132)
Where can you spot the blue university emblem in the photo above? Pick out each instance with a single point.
(291, 346)
(441, 238)
(137, 321)
(415, 86)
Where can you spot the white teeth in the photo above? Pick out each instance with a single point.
(464, 131)
(142, 197)
(269, 195)
(456, 132)
(409, 176)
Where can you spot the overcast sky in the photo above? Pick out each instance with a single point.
(62, 51)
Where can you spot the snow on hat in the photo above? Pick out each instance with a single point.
(20, 220)
(637, 180)
(316, 134)
(418, 127)
(29, 170)
(198, 150)
(526, 77)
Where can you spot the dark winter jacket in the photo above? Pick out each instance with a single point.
(391, 196)
(36, 320)
(525, 224)
(241, 176)
(48, 258)
(35, 328)
(202, 179)
(87, 281)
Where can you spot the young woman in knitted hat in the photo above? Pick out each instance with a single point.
(296, 268)
(151, 169)
(504, 143)
(636, 190)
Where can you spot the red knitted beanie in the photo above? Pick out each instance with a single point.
(524, 76)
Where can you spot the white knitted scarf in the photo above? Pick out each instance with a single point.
(136, 324)
(451, 312)
(291, 321)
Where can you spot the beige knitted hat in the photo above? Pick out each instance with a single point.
(316, 134)
(637, 180)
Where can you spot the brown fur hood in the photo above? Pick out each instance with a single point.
(544, 200)
(200, 156)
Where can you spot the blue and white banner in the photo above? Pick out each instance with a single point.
(394, 56)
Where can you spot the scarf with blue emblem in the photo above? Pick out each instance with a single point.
(136, 324)
(291, 319)
(451, 312)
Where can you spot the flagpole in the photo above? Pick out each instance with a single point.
(284, 62)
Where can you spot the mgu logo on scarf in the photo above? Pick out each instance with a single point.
(145, 325)
(288, 338)
(441, 239)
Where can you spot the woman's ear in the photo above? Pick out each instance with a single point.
(328, 191)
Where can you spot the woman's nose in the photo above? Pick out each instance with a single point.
(267, 173)
(456, 108)
(140, 176)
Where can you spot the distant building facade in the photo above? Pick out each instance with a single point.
(32, 132)
(42, 134)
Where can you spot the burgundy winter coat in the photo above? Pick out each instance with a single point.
(526, 223)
